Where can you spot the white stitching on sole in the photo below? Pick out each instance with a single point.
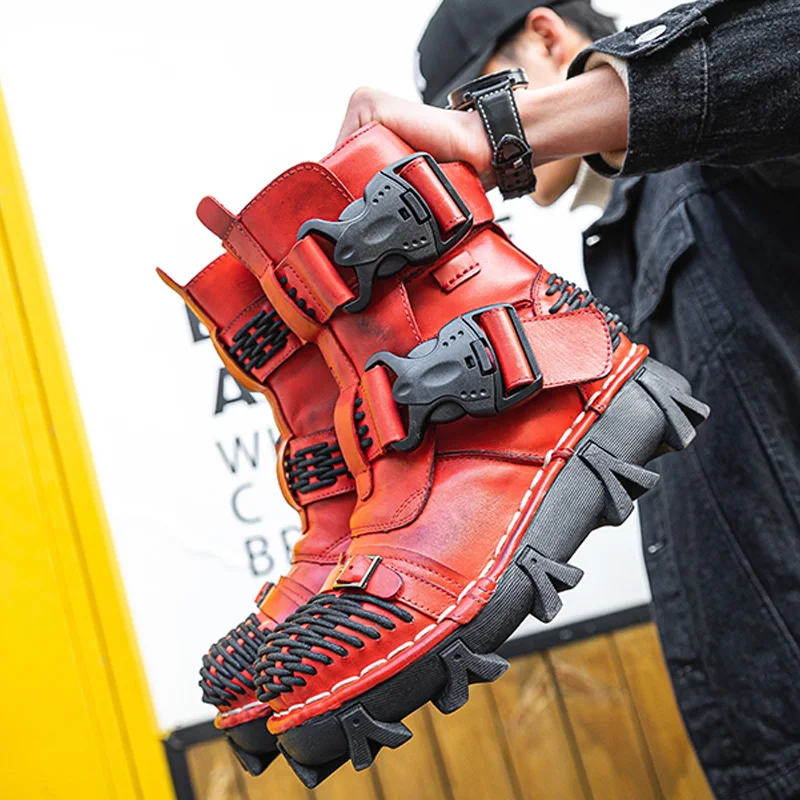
(226, 714)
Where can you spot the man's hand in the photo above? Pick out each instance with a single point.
(587, 114)
(446, 135)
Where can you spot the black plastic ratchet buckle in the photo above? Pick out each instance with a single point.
(389, 227)
(456, 373)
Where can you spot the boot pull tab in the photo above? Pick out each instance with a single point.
(215, 217)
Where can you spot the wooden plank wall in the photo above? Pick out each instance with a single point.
(594, 719)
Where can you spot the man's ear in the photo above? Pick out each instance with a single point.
(544, 25)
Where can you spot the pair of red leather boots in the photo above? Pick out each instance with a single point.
(454, 419)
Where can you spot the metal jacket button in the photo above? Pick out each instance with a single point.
(651, 34)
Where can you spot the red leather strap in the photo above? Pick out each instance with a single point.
(262, 593)
(367, 573)
(463, 179)
(455, 271)
(420, 175)
(309, 270)
(306, 270)
(502, 334)
(314, 279)
(383, 419)
(283, 598)
(215, 216)
(570, 349)
(468, 185)
(305, 266)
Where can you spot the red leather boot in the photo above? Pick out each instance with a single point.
(265, 356)
(491, 413)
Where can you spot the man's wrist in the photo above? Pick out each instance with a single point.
(477, 150)
(582, 116)
(585, 115)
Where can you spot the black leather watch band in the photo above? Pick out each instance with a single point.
(492, 96)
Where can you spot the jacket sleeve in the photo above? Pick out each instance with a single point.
(711, 82)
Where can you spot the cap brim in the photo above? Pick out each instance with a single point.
(472, 69)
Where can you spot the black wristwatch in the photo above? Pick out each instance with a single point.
(493, 97)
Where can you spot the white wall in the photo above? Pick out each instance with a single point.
(126, 115)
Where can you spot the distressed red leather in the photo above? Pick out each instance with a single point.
(229, 301)
(436, 525)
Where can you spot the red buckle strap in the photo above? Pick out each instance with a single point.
(492, 361)
(262, 593)
(469, 187)
(571, 348)
(366, 573)
(441, 203)
(501, 333)
(282, 598)
(382, 419)
(395, 224)
(306, 287)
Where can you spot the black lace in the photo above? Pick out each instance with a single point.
(362, 430)
(574, 297)
(315, 625)
(321, 463)
(244, 640)
(258, 340)
(300, 302)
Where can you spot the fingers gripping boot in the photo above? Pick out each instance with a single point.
(265, 356)
(491, 413)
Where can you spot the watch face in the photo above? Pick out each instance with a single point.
(463, 97)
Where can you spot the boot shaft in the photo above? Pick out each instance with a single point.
(374, 251)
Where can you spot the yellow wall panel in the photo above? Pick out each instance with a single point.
(80, 723)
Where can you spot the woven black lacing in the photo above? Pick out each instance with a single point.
(244, 641)
(258, 340)
(573, 297)
(314, 625)
(322, 463)
(362, 429)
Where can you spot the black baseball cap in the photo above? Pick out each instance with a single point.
(462, 36)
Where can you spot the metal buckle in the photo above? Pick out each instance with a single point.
(390, 227)
(515, 152)
(456, 373)
(362, 584)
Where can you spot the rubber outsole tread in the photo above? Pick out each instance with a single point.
(311, 777)
(253, 763)
(622, 482)
(465, 667)
(682, 411)
(549, 577)
(652, 412)
(366, 735)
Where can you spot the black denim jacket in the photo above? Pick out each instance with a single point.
(698, 249)
(719, 85)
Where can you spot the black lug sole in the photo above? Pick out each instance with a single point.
(654, 412)
(253, 745)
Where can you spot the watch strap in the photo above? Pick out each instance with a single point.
(512, 157)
